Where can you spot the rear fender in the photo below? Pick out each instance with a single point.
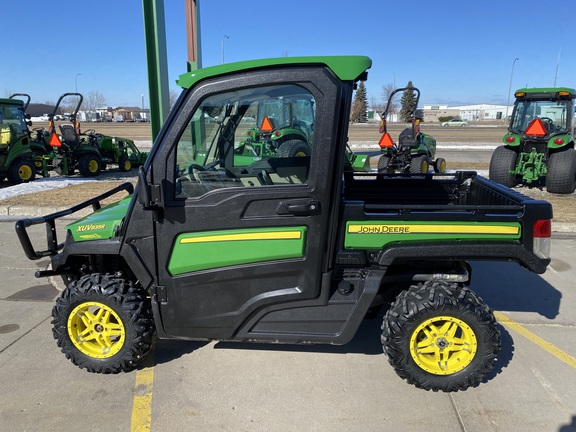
(567, 142)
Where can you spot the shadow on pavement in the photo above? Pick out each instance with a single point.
(508, 287)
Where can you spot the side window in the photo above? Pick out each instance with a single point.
(256, 137)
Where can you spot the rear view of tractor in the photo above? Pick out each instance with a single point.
(16, 161)
(540, 141)
(415, 151)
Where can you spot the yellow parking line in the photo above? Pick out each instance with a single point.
(142, 404)
(544, 344)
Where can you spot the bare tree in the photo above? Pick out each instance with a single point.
(95, 100)
(173, 95)
(387, 90)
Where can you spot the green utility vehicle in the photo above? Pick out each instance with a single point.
(540, 141)
(16, 159)
(289, 249)
(415, 151)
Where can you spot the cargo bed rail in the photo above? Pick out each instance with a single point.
(50, 220)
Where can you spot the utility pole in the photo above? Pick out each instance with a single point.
(193, 34)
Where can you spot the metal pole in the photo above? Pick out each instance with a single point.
(510, 86)
(157, 59)
(193, 34)
(223, 38)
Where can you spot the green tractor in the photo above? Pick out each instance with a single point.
(16, 159)
(87, 151)
(540, 141)
(415, 151)
(282, 128)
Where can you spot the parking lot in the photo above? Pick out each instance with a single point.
(201, 386)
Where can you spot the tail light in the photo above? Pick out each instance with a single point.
(542, 231)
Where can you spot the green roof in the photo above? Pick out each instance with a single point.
(347, 68)
(547, 90)
(12, 102)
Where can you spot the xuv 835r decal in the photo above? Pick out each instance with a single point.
(376, 234)
(214, 249)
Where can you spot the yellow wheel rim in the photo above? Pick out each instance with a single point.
(93, 166)
(127, 165)
(25, 172)
(96, 330)
(443, 345)
(425, 167)
(301, 154)
(443, 166)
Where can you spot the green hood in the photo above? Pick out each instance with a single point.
(102, 224)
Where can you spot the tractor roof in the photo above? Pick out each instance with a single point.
(347, 68)
(545, 92)
(11, 102)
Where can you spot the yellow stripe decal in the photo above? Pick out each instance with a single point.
(282, 235)
(432, 229)
(544, 344)
(142, 403)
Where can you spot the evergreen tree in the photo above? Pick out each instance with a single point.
(359, 112)
(408, 103)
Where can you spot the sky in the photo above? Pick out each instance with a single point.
(454, 52)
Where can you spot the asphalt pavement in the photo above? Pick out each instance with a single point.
(216, 386)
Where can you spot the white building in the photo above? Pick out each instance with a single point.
(473, 113)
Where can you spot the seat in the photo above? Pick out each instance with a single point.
(69, 135)
(407, 138)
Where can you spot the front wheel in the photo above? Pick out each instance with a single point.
(103, 323)
(294, 148)
(440, 165)
(124, 164)
(439, 336)
(21, 171)
(384, 164)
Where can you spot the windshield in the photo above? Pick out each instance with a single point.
(554, 115)
(14, 116)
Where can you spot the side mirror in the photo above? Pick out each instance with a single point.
(143, 189)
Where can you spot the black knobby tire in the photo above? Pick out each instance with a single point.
(561, 176)
(419, 164)
(124, 164)
(503, 161)
(384, 164)
(294, 148)
(103, 323)
(21, 171)
(414, 350)
(89, 165)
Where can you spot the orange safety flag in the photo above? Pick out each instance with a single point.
(386, 141)
(536, 128)
(55, 141)
(266, 125)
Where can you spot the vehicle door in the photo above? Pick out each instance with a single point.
(242, 229)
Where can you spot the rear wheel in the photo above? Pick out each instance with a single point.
(439, 336)
(89, 165)
(103, 323)
(294, 148)
(21, 171)
(384, 164)
(502, 162)
(561, 177)
(419, 165)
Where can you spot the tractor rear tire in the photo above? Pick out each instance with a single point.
(294, 148)
(503, 161)
(419, 165)
(440, 336)
(103, 323)
(561, 177)
(21, 171)
(384, 165)
(89, 165)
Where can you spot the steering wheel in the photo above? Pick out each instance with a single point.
(206, 167)
(89, 132)
(547, 119)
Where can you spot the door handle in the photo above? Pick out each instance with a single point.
(308, 208)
